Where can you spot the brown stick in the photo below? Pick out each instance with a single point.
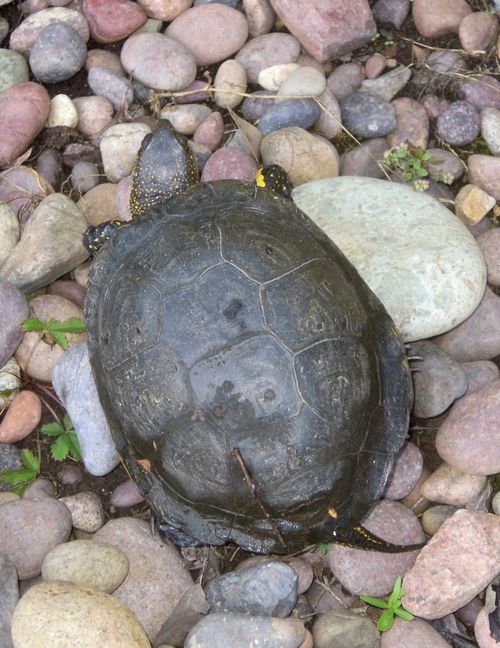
(253, 491)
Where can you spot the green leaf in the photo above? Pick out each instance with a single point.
(394, 598)
(33, 324)
(30, 461)
(60, 448)
(5, 393)
(407, 176)
(74, 446)
(60, 339)
(385, 621)
(68, 425)
(71, 325)
(16, 476)
(376, 602)
(421, 172)
(52, 429)
(408, 616)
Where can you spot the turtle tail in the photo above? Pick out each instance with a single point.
(358, 537)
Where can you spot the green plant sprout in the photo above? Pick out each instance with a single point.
(55, 329)
(392, 607)
(410, 160)
(65, 440)
(20, 478)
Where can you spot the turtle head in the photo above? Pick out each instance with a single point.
(274, 178)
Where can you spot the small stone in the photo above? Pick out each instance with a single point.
(329, 123)
(459, 123)
(467, 439)
(49, 166)
(186, 118)
(94, 114)
(39, 489)
(482, 630)
(70, 475)
(84, 177)
(434, 105)
(62, 112)
(416, 634)
(115, 88)
(22, 417)
(57, 54)
(86, 511)
(489, 243)
(304, 81)
(367, 115)
(365, 159)
(490, 129)
(345, 79)
(254, 107)
(9, 596)
(10, 456)
(444, 166)
(112, 20)
(484, 171)
(406, 471)
(477, 31)
(389, 84)
(211, 131)
(412, 124)
(472, 204)
(126, 494)
(344, 629)
(212, 33)
(482, 92)
(10, 383)
(13, 69)
(74, 153)
(448, 485)
(98, 204)
(301, 113)
(122, 198)
(22, 189)
(391, 11)
(229, 163)
(374, 66)
(264, 51)
(435, 18)
(457, 564)
(303, 156)
(433, 518)
(267, 589)
(446, 61)
(98, 565)
(273, 77)
(231, 83)
(61, 614)
(9, 236)
(260, 16)
(12, 314)
(495, 503)
(480, 373)
(104, 58)
(194, 92)
(119, 148)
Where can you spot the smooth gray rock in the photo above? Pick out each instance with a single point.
(9, 596)
(344, 629)
(9, 231)
(389, 84)
(58, 54)
(265, 589)
(10, 459)
(13, 69)
(367, 115)
(290, 112)
(73, 383)
(416, 256)
(14, 310)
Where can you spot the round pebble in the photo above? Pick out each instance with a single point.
(484, 171)
(94, 114)
(186, 118)
(273, 77)
(211, 131)
(412, 124)
(13, 69)
(459, 123)
(126, 494)
(264, 51)
(433, 518)
(406, 471)
(112, 20)
(84, 176)
(9, 236)
(490, 129)
(57, 54)
(302, 113)
(489, 243)
(304, 81)
(344, 629)
(63, 112)
(367, 115)
(104, 58)
(389, 84)
(480, 373)
(115, 88)
(416, 634)
(10, 383)
(345, 79)
(165, 11)
(391, 11)
(477, 31)
(231, 84)
(448, 485)
(12, 314)
(229, 163)
(98, 204)
(86, 511)
(22, 417)
(40, 488)
(254, 107)
(482, 92)
(119, 148)
(435, 18)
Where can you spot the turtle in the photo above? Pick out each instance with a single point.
(256, 389)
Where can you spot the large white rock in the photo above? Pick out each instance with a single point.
(416, 255)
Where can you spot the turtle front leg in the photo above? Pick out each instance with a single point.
(95, 236)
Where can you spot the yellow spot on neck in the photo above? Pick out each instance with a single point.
(260, 180)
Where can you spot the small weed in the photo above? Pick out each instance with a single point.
(20, 478)
(391, 607)
(410, 160)
(65, 440)
(55, 329)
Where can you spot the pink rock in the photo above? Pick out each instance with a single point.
(405, 473)
(327, 28)
(264, 51)
(457, 564)
(435, 18)
(489, 242)
(416, 634)
(126, 494)
(482, 630)
(468, 438)
(103, 58)
(212, 32)
(484, 171)
(229, 163)
(374, 66)
(260, 16)
(477, 31)
(22, 189)
(412, 123)
(211, 131)
(448, 485)
(479, 374)
(94, 114)
(22, 417)
(482, 92)
(111, 20)
(122, 198)
(434, 105)
(345, 79)
(24, 109)
(195, 91)
(165, 11)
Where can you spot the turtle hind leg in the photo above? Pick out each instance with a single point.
(95, 236)
(358, 537)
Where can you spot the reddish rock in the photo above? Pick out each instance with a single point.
(327, 28)
(484, 171)
(24, 109)
(210, 131)
(435, 18)
(229, 163)
(416, 634)
(412, 123)
(165, 11)
(103, 58)
(406, 471)
(267, 50)
(448, 485)
(22, 417)
(477, 31)
(22, 188)
(111, 20)
(483, 91)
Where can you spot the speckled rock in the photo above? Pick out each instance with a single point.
(212, 33)
(119, 147)
(416, 634)
(112, 20)
(482, 92)
(267, 50)
(389, 84)
(86, 511)
(482, 630)
(12, 314)
(484, 171)
(459, 123)
(158, 61)
(301, 113)
(435, 18)
(458, 563)
(477, 31)
(421, 303)
(231, 82)
(367, 115)
(490, 129)
(304, 156)
(45, 523)
(22, 417)
(391, 11)
(23, 37)
(57, 54)
(13, 69)
(448, 485)
(412, 123)
(344, 629)
(60, 614)
(405, 473)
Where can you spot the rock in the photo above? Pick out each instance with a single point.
(301, 113)
(24, 109)
(29, 529)
(435, 18)
(84, 177)
(94, 114)
(157, 577)
(50, 245)
(231, 82)
(260, 16)
(60, 614)
(104, 58)
(482, 92)
(186, 118)
(49, 166)
(22, 417)
(303, 82)
(112, 20)
(23, 37)
(12, 314)
(489, 244)
(367, 115)
(190, 609)
(329, 123)
(374, 65)
(158, 61)
(115, 88)
(344, 629)
(482, 630)
(477, 31)
(99, 204)
(433, 518)
(443, 61)
(303, 156)
(416, 634)
(70, 475)
(484, 171)
(439, 380)
(264, 51)
(345, 79)
(434, 105)
(119, 148)
(490, 129)
(126, 494)
(13, 69)
(62, 112)
(9, 595)
(212, 33)
(195, 91)
(391, 11)
(40, 489)
(365, 160)
(421, 302)
(22, 188)
(235, 631)
(253, 107)
(458, 563)
(57, 54)
(10, 383)
(166, 12)
(370, 572)
(86, 511)
(9, 234)
(480, 373)
(389, 84)
(478, 337)
(266, 589)
(324, 28)
(406, 472)
(229, 163)
(448, 485)
(73, 383)
(459, 123)
(10, 456)
(412, 124)
(271, 78)
(467, 439)
(472, 204)
(122, 198)
(98, 565)
(211, 131)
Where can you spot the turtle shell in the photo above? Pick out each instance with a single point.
(253, 384)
